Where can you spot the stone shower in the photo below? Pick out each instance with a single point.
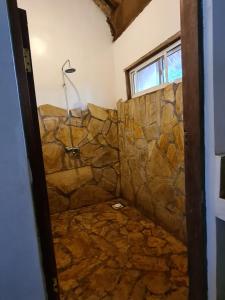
(133, 155)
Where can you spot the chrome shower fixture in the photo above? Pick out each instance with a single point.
(74, 150)
(66, 70)
(69, 69)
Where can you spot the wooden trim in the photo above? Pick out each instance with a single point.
(126, 12)
(173, 39)
(112, 4)
(20, 40)
(193, 100)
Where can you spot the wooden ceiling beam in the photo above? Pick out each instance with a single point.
(121, 13)
(125, 14)
(112, 4)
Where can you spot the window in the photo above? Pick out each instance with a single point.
(159, 70)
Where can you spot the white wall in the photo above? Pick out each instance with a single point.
(158, 21)
(75, 29)
(78, 30)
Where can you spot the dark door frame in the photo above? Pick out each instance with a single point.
(193, 100)
(20, 41)
(193, 97)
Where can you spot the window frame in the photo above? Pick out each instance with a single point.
(161, 57)
(147, 59)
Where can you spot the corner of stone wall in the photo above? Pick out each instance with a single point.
(151, 147)
(74, 182)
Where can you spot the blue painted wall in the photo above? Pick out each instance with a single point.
(20, 267)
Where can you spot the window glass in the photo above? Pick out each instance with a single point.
(164, 68)
(147, 77)
(174, 64)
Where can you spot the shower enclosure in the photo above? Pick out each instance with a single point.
(132, 156)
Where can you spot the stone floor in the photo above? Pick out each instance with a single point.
(110, 254)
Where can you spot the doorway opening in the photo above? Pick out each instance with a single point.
(116, 191)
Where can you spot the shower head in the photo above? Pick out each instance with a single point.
(70, 70)
(66, 67)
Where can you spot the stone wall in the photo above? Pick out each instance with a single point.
(93, 177)
(152, 156)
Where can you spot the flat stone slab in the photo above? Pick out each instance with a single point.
(70, 180)
(103, 253)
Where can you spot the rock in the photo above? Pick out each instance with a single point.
(51, 123)
(127, 191)
(139, 290)
(151, 132)
(47, 110)
(106, 127)
(172, 155)
(178, 132)
(152, 108)
(113, 115)
(148, 263)
(76, 113)
(117, 168)
(97, 174)
(138, 174)
(155, 242)
(125, 285)
(181, 203)
(63, 135)
(105, 156)
(151, 297)
(171, 219)
(95, 127)
(63, 259)
(102, 140)
(78, 134)
(104, 280)
(68, 181)
(141, 145)
(166, 210)
(86, 119)
(163, 142)
(138, 131)
(88, 195)
(168, 120)
(164, 193)
(179, 262)
(112, 136)
(108, 180)
(180, 182)
(168, 93)
(98, 112)
(57, 202)
(77, 122)
(41, 126)
(49, 137)
(52, 155)
(181, 294)
(157, 282)
(69, 162)
(88, 151)
(77, 271)
(144, 200)
(179, 101)
(158, 165)
(151, 146)
(79, 245)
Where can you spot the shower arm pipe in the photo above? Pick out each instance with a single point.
(66, 62)
(73, 85)
(65, 92)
